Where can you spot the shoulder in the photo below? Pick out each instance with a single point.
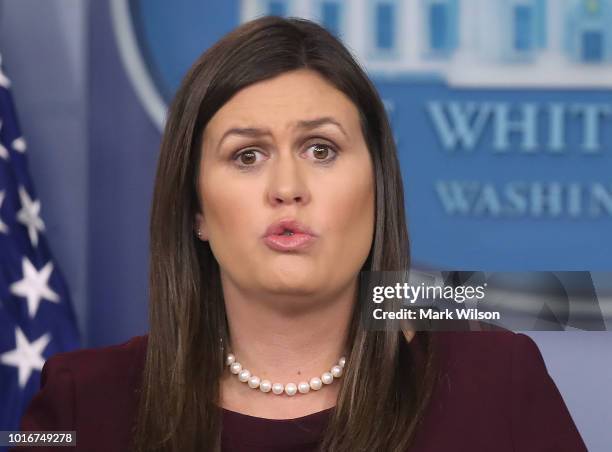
(496, 346)
(99, 376)
(120, 360)
(499, 379)
(474, 360)
(517, 355)
(497, 359)
(99, 384)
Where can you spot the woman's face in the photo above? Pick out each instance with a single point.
(290, 147)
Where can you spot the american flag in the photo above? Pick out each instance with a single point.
(36, 315)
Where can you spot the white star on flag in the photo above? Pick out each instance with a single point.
(3, 151)
(26, 356)
(29, 215)
(3, 226)
(19, 144)
(34, 285)
(4, 81)
(36, 314)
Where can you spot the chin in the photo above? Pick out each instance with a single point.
(298, 283)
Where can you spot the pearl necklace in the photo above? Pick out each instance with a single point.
(291, 389)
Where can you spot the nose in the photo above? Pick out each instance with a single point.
(287, 183)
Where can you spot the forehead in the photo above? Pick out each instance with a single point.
(282, 101)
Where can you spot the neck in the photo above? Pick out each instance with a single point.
(286, 345)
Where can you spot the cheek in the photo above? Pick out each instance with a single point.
(230, 212)
(350, 214)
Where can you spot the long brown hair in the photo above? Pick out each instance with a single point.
(179, 397)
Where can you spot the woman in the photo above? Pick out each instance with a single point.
(278, 182)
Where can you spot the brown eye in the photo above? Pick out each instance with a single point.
(323, 153)
(320, 152)
(248, 157)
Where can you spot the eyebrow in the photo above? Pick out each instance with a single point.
(306, 124)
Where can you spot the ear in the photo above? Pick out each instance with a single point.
(200, 226)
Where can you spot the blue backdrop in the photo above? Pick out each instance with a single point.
(505, 146)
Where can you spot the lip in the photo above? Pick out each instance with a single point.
(302, 236)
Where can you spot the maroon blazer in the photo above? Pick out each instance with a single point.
(493, 394)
